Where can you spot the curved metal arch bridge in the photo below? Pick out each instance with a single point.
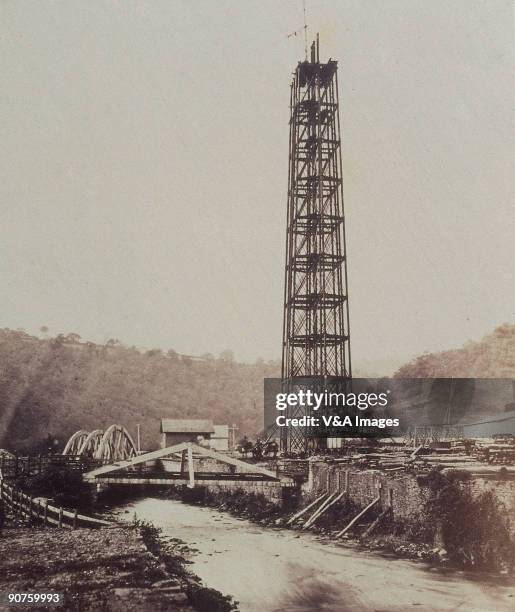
(113, 444)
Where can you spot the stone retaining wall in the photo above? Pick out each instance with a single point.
(400, 491)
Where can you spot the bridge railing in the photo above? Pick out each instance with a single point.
(13, 467)
(39, 510)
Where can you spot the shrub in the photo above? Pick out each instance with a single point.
(474, 529)
(205, 599)
(63, 486)
(150, 535)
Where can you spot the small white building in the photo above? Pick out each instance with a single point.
(219, 440)
(175, 431)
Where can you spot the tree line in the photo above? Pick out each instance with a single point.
(59, 385)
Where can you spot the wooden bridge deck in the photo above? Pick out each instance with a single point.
(134, 471)
(178, 479)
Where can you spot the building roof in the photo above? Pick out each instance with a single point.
(221, 431)
(198, 426)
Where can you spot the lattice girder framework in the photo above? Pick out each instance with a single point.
(316, 339)
(91, 444)
(113, 444)
(116, 444)
(75, 442)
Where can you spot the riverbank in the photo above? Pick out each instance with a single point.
(126, 567)
(102, 569)
(269, 568)
(434, 534)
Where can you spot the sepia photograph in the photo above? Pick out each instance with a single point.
(257, 332)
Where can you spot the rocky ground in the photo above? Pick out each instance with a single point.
(105, 569)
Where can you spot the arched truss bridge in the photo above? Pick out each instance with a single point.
(113, 444)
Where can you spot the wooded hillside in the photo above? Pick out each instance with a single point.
(492, 357)
(59, 385)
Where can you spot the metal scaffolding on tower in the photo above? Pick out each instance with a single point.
(316, 338)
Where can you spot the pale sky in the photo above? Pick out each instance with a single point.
(144, 169)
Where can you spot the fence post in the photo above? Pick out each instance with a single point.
(183, 461)
(45, 513)
(31, 507)
(60, 516)
(191, 472)
(75, 519)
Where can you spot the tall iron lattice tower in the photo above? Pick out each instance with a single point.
(316, 339)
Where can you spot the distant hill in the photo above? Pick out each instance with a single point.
(59, 385)
(491, 357)
(471, 399)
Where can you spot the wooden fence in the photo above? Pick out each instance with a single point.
(14, 467)
(39, 510)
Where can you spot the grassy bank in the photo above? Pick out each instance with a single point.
(238, 503)
(441, 532)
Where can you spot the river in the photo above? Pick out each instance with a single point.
(269, 570)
